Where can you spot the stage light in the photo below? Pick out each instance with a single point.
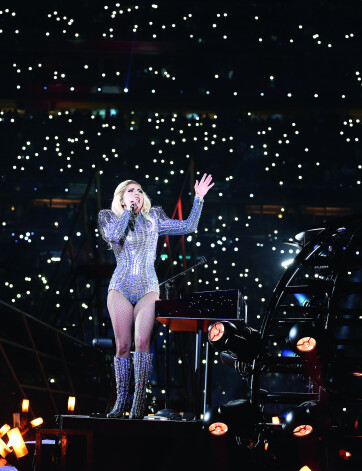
(306, 344)
(212, 422)
(345, 455)
(306, 419)
(32, 424)
(36, 422)
(241, 342)
(237, 417)
(16, 419)
(302, 430)
(293, 419)
(357, 426)
(71, 403)
(304, 338)
(220, 331)
(25, 405)
(218, 429)
(17, 443)
(4, 429)
(4, 449)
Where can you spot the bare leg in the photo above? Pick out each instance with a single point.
(144, 313)
(121, 314)
(144, 317)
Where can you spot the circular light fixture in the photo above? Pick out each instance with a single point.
(302, 430)
(239, 341)
(216, 331)
(220, 333)
(218, 429)
(306, 344)
(305, 337)
(305, 419)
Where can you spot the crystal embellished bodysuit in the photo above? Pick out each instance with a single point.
(135, 275)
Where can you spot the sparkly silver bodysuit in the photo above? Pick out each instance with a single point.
(135, 275)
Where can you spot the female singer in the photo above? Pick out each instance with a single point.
(132, 228)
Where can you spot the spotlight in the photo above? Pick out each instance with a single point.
(345, 455)
(17, 443)
(299, 421)
(218, 429)
(358, 423)
(32, 424)
(71, 403)
(4, 449)
(348, 454)
(240, 342)
(237, 417)
(219, 333)
(36, 422)
(302, 430)
(304, 338)
(4, 429)
(212, 422)
(306, 418)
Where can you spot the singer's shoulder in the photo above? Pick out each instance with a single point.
(155, 209)
(157, 212)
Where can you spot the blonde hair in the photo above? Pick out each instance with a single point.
(117, 207)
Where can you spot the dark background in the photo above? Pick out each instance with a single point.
(265, 96)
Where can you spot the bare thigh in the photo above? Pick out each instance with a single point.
(144, 317)
(121, 314)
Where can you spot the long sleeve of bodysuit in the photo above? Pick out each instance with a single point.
(167, 226)
(112, 227)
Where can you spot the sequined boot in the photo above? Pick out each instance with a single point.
(122, 370)
(142, 362)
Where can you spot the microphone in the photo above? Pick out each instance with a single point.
(133, 206)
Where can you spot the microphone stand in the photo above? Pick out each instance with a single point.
(168, 285)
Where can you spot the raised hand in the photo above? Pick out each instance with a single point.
(202, 187)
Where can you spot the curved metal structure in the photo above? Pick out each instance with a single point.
(319, 297)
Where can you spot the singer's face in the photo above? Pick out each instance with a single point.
(133, 194)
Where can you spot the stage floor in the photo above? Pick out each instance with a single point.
(136, 445)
